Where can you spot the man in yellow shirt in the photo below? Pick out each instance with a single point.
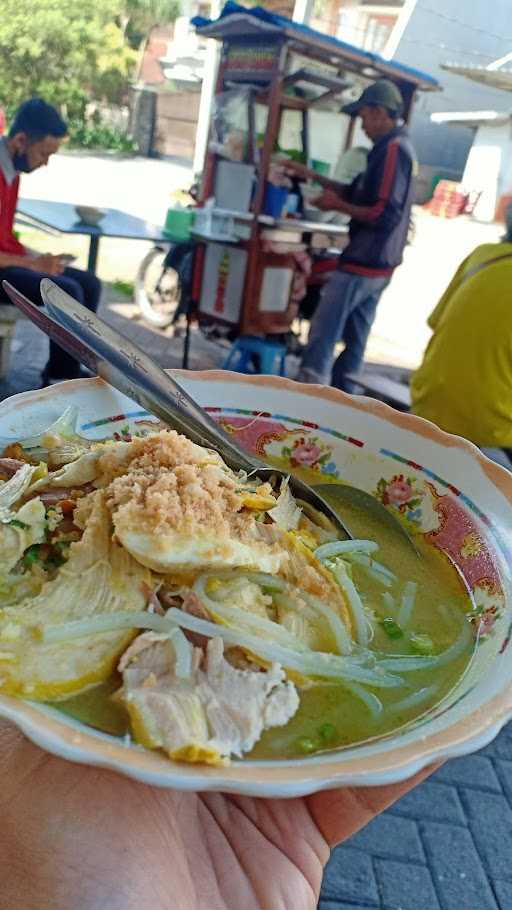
(464, 383)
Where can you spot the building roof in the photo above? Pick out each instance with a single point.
(471, 118)
(240, 22)
(492, 78)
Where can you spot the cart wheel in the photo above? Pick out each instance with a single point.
(157, 291)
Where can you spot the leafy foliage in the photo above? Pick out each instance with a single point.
(67, 53)
(93, 134)
(139, 17)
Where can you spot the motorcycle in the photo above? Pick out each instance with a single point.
(164, 278)
(163, 282)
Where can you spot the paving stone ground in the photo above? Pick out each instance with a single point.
(447, 845)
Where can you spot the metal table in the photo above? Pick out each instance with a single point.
(62, 217)
(304, 226)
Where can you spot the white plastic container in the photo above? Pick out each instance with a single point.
(233, 185)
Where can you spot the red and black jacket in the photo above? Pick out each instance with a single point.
(375, 247)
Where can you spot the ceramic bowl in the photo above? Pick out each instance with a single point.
(440, 485)
(89, 214)
(310, 193)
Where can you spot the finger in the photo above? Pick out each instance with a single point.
(19, 759)
(340, 813)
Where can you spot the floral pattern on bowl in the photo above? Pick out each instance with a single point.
(416, 502)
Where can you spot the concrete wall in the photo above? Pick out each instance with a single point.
(176, 123)
(488, 168)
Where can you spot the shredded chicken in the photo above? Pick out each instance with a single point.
(216, 712)
(194, 606)
(64, 494)
(154, 605)
(9, 466)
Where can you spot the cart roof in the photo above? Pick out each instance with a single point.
(237, 21)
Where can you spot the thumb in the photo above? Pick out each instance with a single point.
(338, 814)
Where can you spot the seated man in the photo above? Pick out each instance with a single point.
(464, 383)
(36, 133)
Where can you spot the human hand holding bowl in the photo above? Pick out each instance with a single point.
(328, 201)
(206, 849)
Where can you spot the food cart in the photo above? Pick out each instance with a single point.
(274, 76)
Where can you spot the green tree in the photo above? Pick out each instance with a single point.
(138, 18)
(66, 52)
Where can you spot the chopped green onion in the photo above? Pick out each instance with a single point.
(392, 628)
(409, 664)
(31, 555)
(421, 643)
(306, 745)
(327, 732)
(16, 523)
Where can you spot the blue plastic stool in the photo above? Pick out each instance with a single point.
(271, 356)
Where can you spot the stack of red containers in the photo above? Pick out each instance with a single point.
(450, 199)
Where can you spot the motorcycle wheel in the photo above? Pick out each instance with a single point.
(157, 291)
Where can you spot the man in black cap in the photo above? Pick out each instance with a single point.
(379, 205)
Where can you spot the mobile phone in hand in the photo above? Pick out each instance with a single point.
(67, 258)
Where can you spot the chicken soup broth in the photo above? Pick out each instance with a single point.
(331, 716)
(147, 589)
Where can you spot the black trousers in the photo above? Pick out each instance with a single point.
(83, 286)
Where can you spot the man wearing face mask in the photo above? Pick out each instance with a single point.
(36, 133)
(378, 204)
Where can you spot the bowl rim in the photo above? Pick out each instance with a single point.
(298, 777)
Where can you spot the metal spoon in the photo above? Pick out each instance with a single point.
(339, 495)
(128, 368)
